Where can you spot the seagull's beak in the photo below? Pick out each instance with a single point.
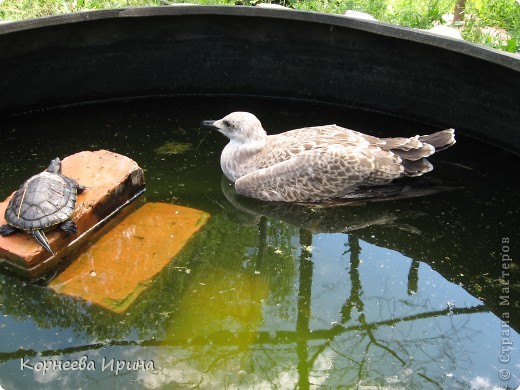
(210, 124)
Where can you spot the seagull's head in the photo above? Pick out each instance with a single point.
(241, 127)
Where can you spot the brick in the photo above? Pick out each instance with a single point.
(112, 181)
(117, 268)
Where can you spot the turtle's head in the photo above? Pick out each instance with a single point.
(54, 166)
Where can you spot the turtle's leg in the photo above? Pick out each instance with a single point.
(79, 187)
(39, 236)
(6, 229)
(69, 226)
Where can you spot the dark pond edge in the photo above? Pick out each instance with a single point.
(422, 36)
(120, 54)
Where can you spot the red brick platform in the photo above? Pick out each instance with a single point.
(112, 181)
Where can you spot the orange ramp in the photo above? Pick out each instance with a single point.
(114, 271)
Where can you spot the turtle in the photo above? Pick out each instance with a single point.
(43, 202)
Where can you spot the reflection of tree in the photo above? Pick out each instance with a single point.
(353, 350)
(355, 292)
(394, 351)
(413, 277)
(430, 229)
(359, 346)
(304, 309)
(362, 353)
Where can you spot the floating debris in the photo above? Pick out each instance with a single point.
(173, 147)
(451, 306)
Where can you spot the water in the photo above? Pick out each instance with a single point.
(404, 294)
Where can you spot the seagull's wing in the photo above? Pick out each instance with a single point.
(321, 173)
(285, 146)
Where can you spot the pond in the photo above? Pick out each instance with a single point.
(402, 294)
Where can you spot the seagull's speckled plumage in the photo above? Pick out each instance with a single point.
(317, 163)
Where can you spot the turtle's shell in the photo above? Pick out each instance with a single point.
(43, 201)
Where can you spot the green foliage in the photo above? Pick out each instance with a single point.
(499, 13)
(417, 14)
(26, 9)
(376, 8)
(494, 23)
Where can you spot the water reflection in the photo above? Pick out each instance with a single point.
(318, 346)
(267, 305)
(428, 229)
(393, 295)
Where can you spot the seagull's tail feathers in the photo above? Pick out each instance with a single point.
(415, 150)
(416, 167)
(439, 140)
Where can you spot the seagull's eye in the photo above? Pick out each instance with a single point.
(227, 123)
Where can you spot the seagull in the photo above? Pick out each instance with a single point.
(320, 163)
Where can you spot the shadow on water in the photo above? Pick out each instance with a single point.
(395, 294)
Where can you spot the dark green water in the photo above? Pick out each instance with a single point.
(405, 294)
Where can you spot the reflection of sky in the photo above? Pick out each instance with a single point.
(466, 346)
(17, 334)
(383, 275)
(457, 351)
(331, 281)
